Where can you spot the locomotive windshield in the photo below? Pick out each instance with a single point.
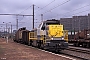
(50, 22)
(40, 25)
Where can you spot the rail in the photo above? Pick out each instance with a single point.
(87, 51)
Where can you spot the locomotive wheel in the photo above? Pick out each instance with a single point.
(57, 51)
(84, 45)
(76, 44)
(42, 46)
(28, 43)
(88, 45)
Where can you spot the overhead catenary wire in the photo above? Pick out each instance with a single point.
(57, 6)
(46, 5)
(26, 9)
(64, 14)
(76, 9)
(22, 17)
(17, 14)
(79, 12)
(82, 11)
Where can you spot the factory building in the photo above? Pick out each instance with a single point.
(76, 23)
(67, 22)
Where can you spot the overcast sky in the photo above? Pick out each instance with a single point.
(51, 9)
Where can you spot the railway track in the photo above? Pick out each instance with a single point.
(82, 50)
(80, 53)
(63, 53)
(73, 49)
(72, 45)
(70, 48)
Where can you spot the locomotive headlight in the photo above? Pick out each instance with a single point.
(88, 34)
(59, 44)
(62, 38)
(51, 38)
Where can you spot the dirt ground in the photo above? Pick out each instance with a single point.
(16, 51)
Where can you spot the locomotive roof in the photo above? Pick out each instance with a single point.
(52, 21)
(23, 29)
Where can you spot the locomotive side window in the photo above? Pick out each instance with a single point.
(40, 25)
(49, 23)
(43, 26)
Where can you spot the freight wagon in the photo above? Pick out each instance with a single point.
(81, 39)
(22, 36)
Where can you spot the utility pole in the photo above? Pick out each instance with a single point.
(88, 21)
(33, 16)
(78, 23)
(42, 17)
(6, 29)
(4, 32)
(11, 32)
(17, 24)
(11, 28)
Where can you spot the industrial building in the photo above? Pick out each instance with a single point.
(76, 23)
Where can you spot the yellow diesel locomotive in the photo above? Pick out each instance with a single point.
(49, 35)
